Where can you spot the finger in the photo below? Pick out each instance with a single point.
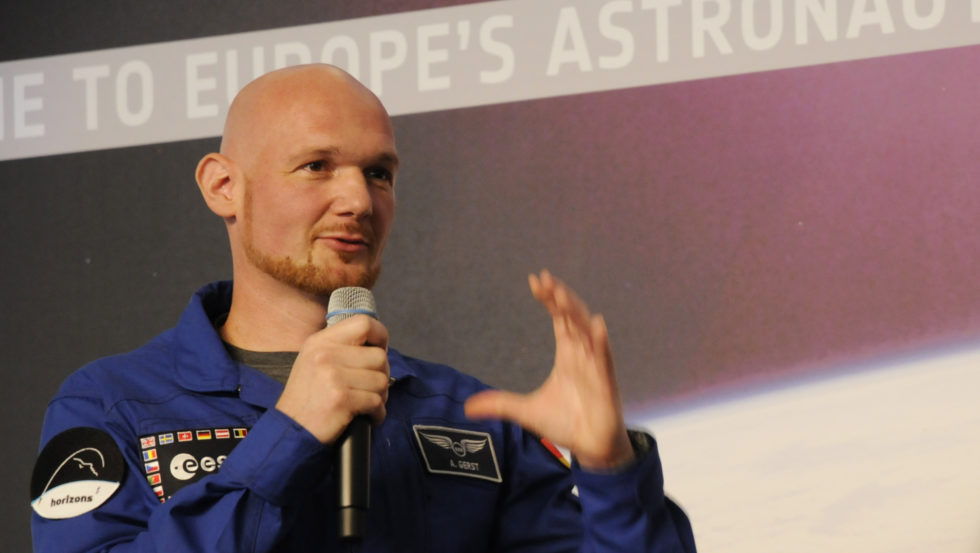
(559, 298)
(600, 341)
(496, 404)
(369, 404)
(346, 357)
(573, 320)
(599, 332)
(544, 286)
(367, 380)
(543, 291)
(358, 330)
(571, 305)
(377, 335)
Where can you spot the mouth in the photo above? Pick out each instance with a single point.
(344, 242)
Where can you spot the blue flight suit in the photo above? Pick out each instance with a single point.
(274, 490)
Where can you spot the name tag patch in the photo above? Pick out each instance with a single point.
(76, 472)
(458, 452)
(172, 460)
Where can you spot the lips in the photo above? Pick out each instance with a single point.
(353, 240)
(345, 241)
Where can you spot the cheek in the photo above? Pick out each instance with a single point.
(278, 218)
(384, 214)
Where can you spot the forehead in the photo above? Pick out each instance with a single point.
(329, 111)
(315, 107)
(335, 120)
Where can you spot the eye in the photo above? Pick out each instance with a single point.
(316, 166)
(380, 174)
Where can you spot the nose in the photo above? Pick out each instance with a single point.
(351, 195)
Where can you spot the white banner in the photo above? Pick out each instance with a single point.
(447, 58)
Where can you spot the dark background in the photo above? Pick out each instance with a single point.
(734, 231)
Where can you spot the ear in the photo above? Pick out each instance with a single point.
(214, 178)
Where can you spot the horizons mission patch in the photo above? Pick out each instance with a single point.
(77, 471)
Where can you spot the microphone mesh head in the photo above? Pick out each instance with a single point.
(349, 301)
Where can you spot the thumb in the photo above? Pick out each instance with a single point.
(495, 404)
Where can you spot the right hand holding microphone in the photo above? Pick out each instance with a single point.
(341, 372)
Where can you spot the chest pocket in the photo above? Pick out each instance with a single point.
(448, 484)
(413, 509)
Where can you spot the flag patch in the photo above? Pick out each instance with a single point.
(553, 449)
(173, 464)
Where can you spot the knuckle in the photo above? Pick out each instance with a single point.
(321, 356)
(379, 358)
(381, 381)
(330, 379)
(361, 323)
(334, 397)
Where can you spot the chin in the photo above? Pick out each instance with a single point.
(319, 276)
(322, 284)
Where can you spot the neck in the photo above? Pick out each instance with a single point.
(267, 315)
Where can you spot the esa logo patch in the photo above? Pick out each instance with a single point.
(458, 452)
(174, 459)
(76, 472)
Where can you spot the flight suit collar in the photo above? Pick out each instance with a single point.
(202, 363)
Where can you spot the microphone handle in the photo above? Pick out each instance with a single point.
(354, 458)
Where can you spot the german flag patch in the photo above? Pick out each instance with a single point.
(556, 452)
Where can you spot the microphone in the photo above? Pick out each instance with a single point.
(354, 453)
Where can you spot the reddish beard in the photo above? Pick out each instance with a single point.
(310, 278)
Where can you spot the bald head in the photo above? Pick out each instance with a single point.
(270, 104)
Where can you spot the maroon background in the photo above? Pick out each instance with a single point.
(733, 229)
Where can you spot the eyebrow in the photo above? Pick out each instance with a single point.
(388, 158)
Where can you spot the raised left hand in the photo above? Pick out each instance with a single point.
(578, 406)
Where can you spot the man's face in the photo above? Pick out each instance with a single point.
(319, 192)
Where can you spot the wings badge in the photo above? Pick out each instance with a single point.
(458, 452)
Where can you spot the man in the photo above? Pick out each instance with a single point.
(200, 451)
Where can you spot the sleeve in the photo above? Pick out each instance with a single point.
(238, 508)
(628, 511)
(550, 508)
